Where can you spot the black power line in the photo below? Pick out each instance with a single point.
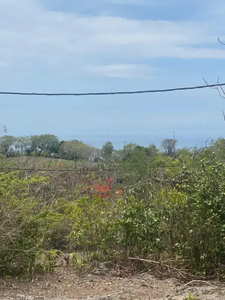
(115, 93)
(81, 170)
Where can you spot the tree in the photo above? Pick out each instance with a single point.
(136, 162)
(23, 145)
(128, 150)
(44, 144)
(95, 155)
(107, 151)
(133, 149)
(152, 150)
(218, 147)
(75, 150)
(6, 144)
(169, 146)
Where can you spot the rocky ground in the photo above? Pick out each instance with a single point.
(65, 285)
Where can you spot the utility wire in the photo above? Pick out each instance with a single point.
(73, 170)
(115, 93)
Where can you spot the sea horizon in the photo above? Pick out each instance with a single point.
(143, 140)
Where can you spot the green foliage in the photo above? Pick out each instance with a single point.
(137, 160)
(23, 145)
(107, 151)
(91, 223)
(6, 143)
(75, 150)
(138, 225)
(25, 223)
(172, 206)
(194, 213)
(191, 297)
(218, 147)
(46, 144)
(129, 227)
(45, 261)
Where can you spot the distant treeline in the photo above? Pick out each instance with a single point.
(49, 145)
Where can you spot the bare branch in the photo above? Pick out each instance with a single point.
(220, 93)
(214, 88)
(220, 41)
(217, 87)
(223, 115)
(222, 89)
(182, 272)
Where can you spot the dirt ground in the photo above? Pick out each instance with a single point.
(65, 285)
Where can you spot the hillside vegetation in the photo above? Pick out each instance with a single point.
(136, 203)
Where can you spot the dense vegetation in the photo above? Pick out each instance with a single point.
(46, 145)
(137, 202)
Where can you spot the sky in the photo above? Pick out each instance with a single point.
(113, 45)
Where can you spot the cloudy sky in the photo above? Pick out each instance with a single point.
(112, 45)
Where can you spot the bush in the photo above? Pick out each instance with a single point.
(127, 227)
(177, 212)
(24, 224)
(193, 215)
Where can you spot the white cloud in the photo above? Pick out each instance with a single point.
(145, 2)
(32, 36)
(122, 2)
(122, 71)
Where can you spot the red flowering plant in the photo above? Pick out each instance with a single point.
(101, 188)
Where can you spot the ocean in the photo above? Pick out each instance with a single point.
(143, 140)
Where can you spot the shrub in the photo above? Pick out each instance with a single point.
(24, 225)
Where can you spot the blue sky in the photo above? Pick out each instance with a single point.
(110, 45)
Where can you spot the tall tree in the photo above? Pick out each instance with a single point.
(107, 151)
(7, 144)
(23, 145)
(169, 146)
(128, 150)
(44, 144)
(75, 150)
(152, 150)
